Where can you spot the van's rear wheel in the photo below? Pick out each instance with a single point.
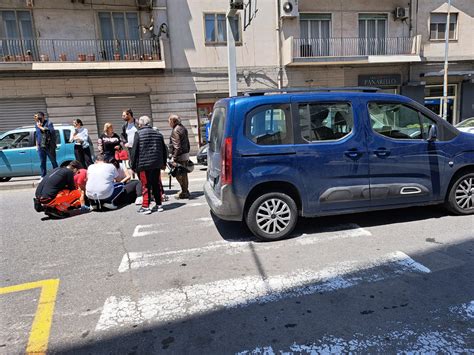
(461, 196)
(272, 216)
(5, 179)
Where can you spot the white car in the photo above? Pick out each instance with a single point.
(466, 125)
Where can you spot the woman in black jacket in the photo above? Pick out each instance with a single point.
(109, 142)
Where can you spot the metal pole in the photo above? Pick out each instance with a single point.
(446, 50)
(232, 65)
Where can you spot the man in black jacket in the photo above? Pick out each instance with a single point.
(148, 156)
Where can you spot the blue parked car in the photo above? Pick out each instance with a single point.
(18, 155)
(274, 157)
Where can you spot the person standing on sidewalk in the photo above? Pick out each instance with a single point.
(45, 141)
(148, 157)
(129, 128)
(82, 150)
(179, 151)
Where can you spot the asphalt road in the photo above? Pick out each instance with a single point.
(182, 282)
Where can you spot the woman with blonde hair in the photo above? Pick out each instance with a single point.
(109, 142)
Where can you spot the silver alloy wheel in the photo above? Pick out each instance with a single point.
(465, 194)
(273, 216)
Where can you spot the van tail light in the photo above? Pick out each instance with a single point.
(226, 161)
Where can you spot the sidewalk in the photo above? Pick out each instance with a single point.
(29, 182)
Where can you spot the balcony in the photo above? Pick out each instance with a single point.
(329, 51)
(51, 54)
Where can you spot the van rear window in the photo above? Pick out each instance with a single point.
(217, 129)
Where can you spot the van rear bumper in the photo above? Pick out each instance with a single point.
(228, 207)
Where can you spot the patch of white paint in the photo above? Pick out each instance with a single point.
(466, 310)
(176, 303)
(144, 259)
(405, 341)
(139, 233)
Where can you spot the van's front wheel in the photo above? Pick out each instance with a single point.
(272, 216)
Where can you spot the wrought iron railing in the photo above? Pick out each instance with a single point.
(57, 50)
(353, 47)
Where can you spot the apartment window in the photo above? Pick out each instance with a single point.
(16, 27)
(438, 26)
(216, 28)
(119, 25)
(315, 32)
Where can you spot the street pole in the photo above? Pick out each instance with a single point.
(446, 50)
(231, 61)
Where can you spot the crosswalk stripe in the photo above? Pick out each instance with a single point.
(178, 303)
(139, 233)
(136, 260)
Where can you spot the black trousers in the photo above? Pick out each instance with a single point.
(83, 155)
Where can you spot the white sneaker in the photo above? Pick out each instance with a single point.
(109, 206)
(157, 208)
(139, 200)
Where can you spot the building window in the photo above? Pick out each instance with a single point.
(315, 32)
(372, 34)
(16, 27)
(120, 34)
(216, 28)
(438, 26)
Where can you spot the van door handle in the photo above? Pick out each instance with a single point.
(382, 152)
(353, 154)
(23, 152)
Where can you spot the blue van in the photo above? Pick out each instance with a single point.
(18, 155)
(275, 156)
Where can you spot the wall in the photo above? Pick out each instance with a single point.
(186, 24)
(460, 49)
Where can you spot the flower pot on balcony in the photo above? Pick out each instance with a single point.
(62, 57)
(44, 58)
(135, 56)
(91, 57)
(81, 57)
(155, 56)
(117, 56)
(126, 57)
(20, 58)
(147, 57)
(28, 58)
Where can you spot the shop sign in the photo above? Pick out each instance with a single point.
(380, 80)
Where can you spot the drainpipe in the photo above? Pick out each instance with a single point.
(280, 59)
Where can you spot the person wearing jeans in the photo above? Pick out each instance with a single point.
(45, 142)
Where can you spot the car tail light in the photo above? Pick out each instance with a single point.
(226, 161)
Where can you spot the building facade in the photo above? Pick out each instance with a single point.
(90, 59)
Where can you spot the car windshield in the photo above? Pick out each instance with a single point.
(466, 123)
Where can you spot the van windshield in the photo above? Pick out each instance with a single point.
(217, 129)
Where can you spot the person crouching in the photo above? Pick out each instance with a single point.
(101, 187)
(56, 194)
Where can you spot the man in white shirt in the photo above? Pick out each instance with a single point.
(101, 186)
(128, 129)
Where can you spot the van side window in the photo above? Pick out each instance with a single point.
(325, 121)
(217, 129)
(269, 126)
(398, 121)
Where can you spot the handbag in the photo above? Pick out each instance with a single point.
(121, 155)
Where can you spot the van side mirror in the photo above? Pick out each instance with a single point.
(432, 134)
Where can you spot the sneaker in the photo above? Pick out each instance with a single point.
(165, 197)
(157, 208)
(182, 195)
(144, 210)
(139, 200)
(109, 206)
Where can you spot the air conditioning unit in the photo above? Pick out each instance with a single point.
(236, 4)
(289, 8)
(402, 13)
(144, 4)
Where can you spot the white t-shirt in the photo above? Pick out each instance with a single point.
(100, 181)
(130, 130)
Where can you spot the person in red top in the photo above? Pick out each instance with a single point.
(80, 180)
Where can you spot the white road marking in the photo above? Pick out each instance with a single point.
(138, 233)
(178, 303)
(466, 311)
(136, 260)
(197, 179)
(406, 341)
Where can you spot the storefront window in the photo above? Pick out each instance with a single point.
(434, 100)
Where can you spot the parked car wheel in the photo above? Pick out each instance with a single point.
(272, 216)
(461, 195)
(5, 179)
